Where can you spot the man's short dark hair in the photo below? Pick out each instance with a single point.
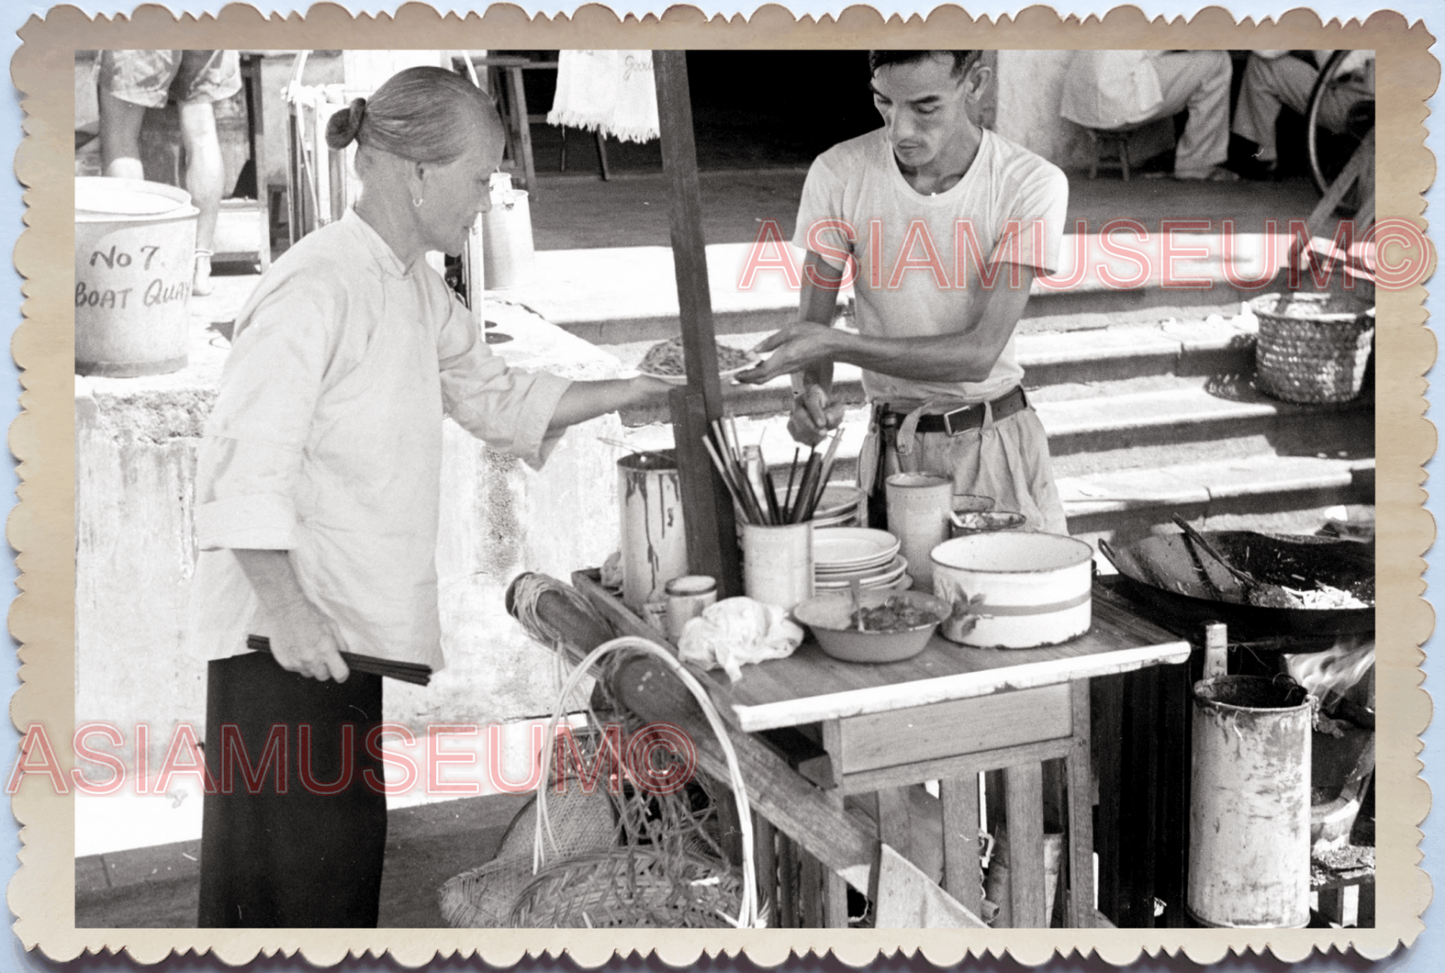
(962, 60)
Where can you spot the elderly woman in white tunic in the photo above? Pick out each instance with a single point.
(317, 503)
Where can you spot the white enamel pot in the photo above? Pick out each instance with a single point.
(1013, 589)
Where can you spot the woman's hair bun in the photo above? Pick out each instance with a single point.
(344, 126)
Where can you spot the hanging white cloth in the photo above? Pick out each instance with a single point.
(608, 91)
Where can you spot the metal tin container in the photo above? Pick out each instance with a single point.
(687, 598)
(1249, 821)
(654, 541)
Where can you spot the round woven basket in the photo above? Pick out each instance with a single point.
(583, 823)
(631, 887)
(1313, 346)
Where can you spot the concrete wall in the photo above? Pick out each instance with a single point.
(135, 468)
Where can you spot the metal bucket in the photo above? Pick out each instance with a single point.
(135, 251)
(1249, 820)
(654, 541)
(507, 249)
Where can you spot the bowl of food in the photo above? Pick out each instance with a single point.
(979, 521)
(885, 626)
(664, 360)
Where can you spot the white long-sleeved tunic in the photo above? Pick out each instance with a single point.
(326, 442)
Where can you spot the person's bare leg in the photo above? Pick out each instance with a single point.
(205, 174)
(120, 123)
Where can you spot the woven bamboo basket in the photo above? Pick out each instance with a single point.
(659, 867)
(631, 887)
(482, 897)
(1313, 346)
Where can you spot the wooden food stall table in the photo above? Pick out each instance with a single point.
(948, 714)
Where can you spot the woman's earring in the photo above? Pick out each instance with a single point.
(416, 203)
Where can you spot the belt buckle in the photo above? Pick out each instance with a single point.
(959, 413)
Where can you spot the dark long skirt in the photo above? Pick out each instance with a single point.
(309, 854)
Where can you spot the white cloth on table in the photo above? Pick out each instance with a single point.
(1109, 90)
(735, 632)
(611, 92)
(326, 441)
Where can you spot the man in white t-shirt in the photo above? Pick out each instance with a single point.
(940, 227)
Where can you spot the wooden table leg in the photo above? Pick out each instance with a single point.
(766, 860)
(962, 869)
(835, 890)
(1365, 908)
(1172, 880)
(602, 166)
(1024, 796)
(1139, 786)
(1106, 730)
(787, 904)
(810, 891)
(1080, 871)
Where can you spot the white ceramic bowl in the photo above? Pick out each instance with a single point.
(1024, 589)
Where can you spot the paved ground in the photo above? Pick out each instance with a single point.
(156, 887)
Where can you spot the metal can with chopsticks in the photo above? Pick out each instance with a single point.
(687, 598)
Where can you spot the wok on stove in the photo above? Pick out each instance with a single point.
(1183, 584)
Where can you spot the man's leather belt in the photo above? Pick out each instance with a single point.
(964, 418)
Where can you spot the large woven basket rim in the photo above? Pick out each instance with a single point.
(622, 853)
(1258, 306)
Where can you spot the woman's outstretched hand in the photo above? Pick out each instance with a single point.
(793, 349)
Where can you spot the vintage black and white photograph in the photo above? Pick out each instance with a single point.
(591, 489)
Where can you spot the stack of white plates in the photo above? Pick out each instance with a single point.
(839, 506)
(843, 555)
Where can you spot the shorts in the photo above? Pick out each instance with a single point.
(151, 78)
(1007, 460)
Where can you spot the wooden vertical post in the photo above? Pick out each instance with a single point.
(712, 546)
(962, 870)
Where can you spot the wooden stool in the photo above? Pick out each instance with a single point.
(1105, 138)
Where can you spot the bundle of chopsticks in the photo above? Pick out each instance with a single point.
(748, 481)
(413, 672)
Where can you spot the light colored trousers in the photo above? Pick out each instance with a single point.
(1270, 83)
(1199, 81)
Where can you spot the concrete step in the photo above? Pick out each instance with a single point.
(626, 294)
(1198, 420)
(1130, 502)
(1172, 420)
(1057, 365)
